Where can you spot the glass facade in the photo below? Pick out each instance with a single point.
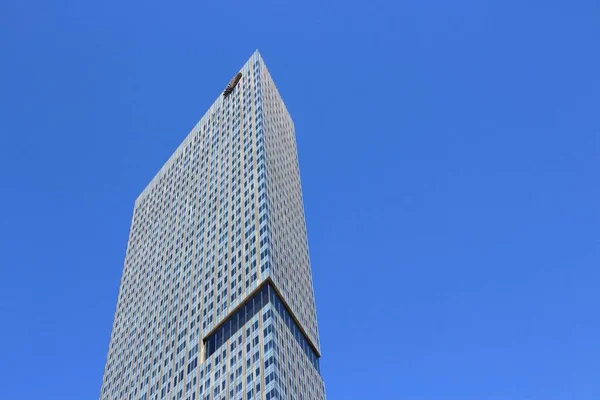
(216, 298)
(251, 307)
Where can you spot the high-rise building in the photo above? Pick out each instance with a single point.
(216, 297)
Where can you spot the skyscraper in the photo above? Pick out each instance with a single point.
(216, 297)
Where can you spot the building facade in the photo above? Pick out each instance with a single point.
(216, 297)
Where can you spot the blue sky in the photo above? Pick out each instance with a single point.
(449, 160)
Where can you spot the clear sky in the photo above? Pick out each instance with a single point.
(449, 160)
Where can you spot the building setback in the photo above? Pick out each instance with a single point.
(216, 298)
